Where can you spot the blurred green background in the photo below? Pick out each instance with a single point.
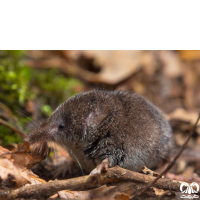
(22, 87)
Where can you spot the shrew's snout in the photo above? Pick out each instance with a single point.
(42, 134)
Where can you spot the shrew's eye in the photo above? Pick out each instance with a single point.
(61, 126)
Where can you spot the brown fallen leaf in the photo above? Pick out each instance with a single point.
(15, 164)
(35, 180)
(5, 152)
(26, 156)
(7, 169)
(189, 55)
(161, 193)
(183, 115)
(120, 191)
(172, 64)
(115, 65)
(121, 196)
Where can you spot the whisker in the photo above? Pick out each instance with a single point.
(18, 110)
(33, 146)
(41, 147)
(62, 144)
(78, 162)
(29, 123)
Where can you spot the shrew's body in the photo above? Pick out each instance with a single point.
(121, 126)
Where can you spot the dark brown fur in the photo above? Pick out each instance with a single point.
(118, 125)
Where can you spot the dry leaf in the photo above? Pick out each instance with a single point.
(115, 65)
(14, 164)
(20, 175)
(23, 156)
(189, 55)
(5, 153)
(158, 192)
(35, 180)
(172, 64)
(161, 193)
(183, 115)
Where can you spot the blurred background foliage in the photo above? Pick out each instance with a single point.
(23, 88)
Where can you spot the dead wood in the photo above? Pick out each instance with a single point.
(113, 175)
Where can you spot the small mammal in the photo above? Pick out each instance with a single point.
(121, 126)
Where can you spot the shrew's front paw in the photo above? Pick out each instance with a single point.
(101, 168)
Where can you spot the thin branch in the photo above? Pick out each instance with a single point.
(113, 175)
(69, 68)
(143, 190)
(8, 113)
(6, 109)
(12, 128)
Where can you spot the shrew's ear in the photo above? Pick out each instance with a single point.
(95, 118)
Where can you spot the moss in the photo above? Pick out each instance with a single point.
(20, 83)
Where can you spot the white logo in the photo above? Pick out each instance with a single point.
(189, 189)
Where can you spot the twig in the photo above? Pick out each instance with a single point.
(147, 171)
(8, 113)
(11, 127)
(113, 175)
(6, 109)
(68, 68)
(143, 190)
